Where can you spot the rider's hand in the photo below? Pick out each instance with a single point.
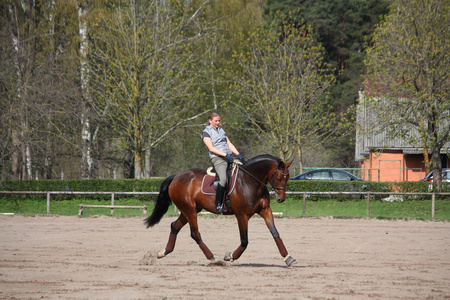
(229, 158)
(241, 158)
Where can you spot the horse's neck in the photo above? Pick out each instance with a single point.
(261, 172)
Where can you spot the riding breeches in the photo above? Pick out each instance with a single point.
(220, 165)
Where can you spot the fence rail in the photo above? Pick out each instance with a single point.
(367, 194)
(77, 193)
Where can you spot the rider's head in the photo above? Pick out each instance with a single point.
(214, 119)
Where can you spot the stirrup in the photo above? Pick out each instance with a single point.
(221, 210)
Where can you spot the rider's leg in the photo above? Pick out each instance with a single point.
(219, 199)
(220, 165)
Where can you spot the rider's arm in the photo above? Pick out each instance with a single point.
(211, 148)
(232, 147)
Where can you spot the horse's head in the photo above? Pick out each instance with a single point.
(279, 179)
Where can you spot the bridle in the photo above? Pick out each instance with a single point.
(273, 174)
(271, 177)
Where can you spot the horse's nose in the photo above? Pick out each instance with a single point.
(281, 200)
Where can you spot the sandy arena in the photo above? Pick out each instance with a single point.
(115, 258)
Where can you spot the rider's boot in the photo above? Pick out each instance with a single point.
(219, 199)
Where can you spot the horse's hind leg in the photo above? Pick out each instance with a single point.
(175, 227)
(268, 218)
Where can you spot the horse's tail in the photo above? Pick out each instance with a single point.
(162, 203)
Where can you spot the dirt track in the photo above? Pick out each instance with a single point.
(113, 258)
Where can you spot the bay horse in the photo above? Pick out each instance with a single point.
(249, 196)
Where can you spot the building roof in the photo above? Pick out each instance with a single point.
(369, 137)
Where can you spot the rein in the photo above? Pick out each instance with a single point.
(273, 174)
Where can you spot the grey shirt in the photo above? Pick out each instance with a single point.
(218, 138)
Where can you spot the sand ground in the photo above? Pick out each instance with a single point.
(115, 258)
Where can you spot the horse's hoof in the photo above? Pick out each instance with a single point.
(289, 260)
(161, 253)
(228, 257)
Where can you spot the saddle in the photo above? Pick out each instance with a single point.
(210, 181)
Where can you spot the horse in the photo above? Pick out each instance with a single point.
(250, 196)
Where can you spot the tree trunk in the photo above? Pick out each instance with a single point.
(128, 162)
(15, 168)
(86, 142)
(27, 164)
(137, 165)
(147, 164)
(300, 159)
(437, 166)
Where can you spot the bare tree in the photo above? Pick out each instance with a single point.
(20, 22)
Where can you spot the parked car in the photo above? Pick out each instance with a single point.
(445, 176)
(326, 174)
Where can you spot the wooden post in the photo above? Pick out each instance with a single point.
(112, 203)
(368, 204)
(48, 203)
(304, 204)
(433, 203)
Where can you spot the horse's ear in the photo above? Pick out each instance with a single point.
(289, 164)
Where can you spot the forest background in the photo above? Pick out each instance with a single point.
(122, 89)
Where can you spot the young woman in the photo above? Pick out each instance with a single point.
(220, 150)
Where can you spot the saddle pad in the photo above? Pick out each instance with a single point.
(208, 183)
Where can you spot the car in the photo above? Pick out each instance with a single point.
(445, 176)
(327, 174)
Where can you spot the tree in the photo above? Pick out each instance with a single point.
(408, 68)
(341, 27)
(283, 78)
(30, 78)
(143, 73)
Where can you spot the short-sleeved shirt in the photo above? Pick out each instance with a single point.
(218, 138)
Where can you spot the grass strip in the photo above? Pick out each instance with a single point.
(292, 207)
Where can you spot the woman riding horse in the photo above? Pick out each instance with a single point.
(250, 196)
(220, 150)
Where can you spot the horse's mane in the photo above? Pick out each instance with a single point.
(262, 157)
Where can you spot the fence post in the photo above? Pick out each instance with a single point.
(368, 204)
(112, 203)
(48, 203)
(304, 204)
(433, 203)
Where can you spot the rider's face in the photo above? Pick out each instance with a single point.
(215, 122)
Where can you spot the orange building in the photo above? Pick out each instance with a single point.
(385, 159)
(393, 165)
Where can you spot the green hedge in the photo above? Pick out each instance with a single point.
(153, 184)
(364, 186)
(84, 185)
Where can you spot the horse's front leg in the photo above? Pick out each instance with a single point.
(175, 227)
(243, 231)
(268, 218)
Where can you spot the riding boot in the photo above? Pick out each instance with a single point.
(219, 199)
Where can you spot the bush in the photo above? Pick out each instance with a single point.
(362, 186)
